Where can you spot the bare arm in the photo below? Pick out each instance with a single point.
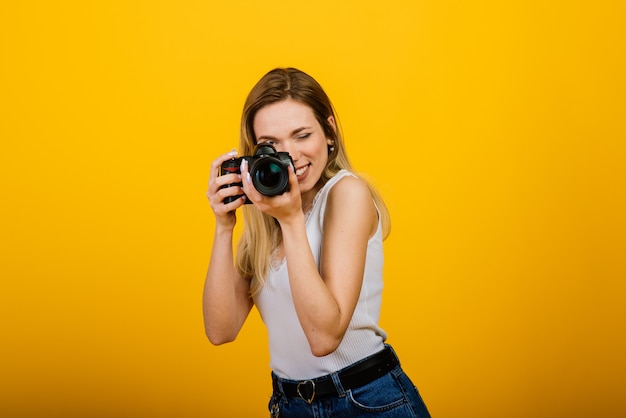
(325, 300)
(226, 298)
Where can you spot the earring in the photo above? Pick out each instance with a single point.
(331, 149)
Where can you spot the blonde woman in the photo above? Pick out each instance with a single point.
(310, 258)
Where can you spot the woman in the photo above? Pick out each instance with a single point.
(310, 259)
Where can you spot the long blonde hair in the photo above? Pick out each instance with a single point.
(261, 233)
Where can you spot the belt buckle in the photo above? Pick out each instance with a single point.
(305, 384)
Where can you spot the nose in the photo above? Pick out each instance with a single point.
(292, 149)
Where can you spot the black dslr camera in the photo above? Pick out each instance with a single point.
(268, 168)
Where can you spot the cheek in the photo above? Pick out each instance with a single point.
(321, 150)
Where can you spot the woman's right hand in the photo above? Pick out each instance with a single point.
(224, 212)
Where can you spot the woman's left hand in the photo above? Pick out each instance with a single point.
(284, 207)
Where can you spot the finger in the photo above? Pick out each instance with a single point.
(217, 163)
(227, 180)
(222, 200)
(246, 180)
(224, 186)
(233, 204)
(228, 192)
(293, 179)
(215, 180)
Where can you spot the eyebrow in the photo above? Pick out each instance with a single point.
(293, 133)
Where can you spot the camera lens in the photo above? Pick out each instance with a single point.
(270, 176)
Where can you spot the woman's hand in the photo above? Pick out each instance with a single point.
(224, 212)
(226, 300)
(284, 207)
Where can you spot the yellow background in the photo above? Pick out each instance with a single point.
(495, 130)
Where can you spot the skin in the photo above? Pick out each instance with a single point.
(324, 299)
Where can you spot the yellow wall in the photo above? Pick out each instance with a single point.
(494, 129)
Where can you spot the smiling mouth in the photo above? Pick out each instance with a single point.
(300, 171)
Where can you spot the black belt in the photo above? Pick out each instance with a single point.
(351, 377)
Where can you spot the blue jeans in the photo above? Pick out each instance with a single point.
(390, 396)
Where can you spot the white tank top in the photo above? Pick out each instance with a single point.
(290, 354)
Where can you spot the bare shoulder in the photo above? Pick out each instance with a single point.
(350, 188)
(350, 201)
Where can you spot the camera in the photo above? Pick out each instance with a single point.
(268, 168)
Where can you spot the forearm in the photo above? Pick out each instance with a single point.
(226, 300)
(317, 310)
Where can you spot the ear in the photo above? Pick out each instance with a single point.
(331, 121)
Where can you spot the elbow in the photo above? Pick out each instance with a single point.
(324, 346)
(219, 341)
(219, 338)
(220, 330)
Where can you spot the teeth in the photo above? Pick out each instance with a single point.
(301, 171)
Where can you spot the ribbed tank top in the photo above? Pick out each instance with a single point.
(290, 354)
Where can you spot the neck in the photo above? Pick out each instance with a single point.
(307, 201)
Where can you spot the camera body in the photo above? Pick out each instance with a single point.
(268, 168)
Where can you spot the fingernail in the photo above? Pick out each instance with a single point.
(248, 178)
(233, 152)
(242, 165)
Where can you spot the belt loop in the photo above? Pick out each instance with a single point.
(340, 390)
(279, 385)
(394, 353)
